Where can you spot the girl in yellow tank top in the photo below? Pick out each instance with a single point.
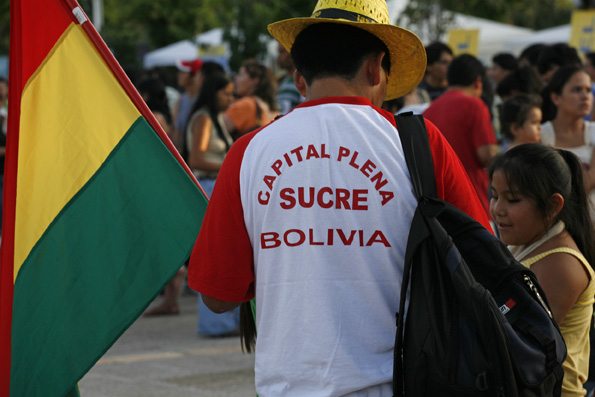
(541, 211)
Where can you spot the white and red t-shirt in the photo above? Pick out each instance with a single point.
(311, 215)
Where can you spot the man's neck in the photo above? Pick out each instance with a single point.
(332, 86)
(434, 82)
(467, 90)
(192, 91)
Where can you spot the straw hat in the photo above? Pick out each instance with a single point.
(407, 53)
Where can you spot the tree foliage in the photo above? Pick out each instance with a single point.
(247, 35)
(4, 26)
(133, 27)
(435, 17)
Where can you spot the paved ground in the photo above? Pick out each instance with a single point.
(164, 356)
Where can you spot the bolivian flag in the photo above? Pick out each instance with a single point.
(99, 210)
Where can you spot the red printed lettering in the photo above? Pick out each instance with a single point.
(320, 197)
(342, 196)
(269, 240)
(302, 197)
(353, 159)
(268, 180)
(312, 152)
(277, 167)
(297, 237)
(288, 160)
(378, 237)
(359, 199)
(367, 168)
(298, 153)
(311, 235)
(301, 237)
(343, 152)
(386, 196)
(355, 200)
(378, 180)
(286, 195)
(265, 200)
(344, 239)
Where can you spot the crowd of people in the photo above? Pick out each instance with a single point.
(306, 205)
(524, 132)
(211, 110)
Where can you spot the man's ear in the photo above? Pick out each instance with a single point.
(374, 67)
(478, 84)
(300, 82)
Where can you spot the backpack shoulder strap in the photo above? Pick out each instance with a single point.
(416, 145)
(418, 156)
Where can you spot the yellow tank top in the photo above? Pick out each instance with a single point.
(575, 328)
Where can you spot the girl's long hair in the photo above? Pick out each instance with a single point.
(538, 172)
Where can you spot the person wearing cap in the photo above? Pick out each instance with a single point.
(310, 214)
(188, 81)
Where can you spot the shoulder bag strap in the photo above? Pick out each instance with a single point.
(418, 156)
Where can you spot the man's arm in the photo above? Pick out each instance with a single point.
(452, 183)
(219, 306)
(221, 266)
(486, 153)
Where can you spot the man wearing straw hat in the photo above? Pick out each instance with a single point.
(310, 214)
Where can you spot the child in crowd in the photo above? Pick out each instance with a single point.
(541, 211)
(520, 120)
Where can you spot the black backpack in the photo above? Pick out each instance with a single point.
(478, 323)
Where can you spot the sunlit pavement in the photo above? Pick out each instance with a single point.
(164, 356)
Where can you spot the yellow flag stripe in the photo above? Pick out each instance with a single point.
(73, 113)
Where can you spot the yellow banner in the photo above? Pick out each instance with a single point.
(582, 33)
(464, 41)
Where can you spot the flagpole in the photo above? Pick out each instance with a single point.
(9, 198)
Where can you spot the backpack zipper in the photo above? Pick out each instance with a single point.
(533, 288)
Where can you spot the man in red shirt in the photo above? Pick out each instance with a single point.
(464, 120)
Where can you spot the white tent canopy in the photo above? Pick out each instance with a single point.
(168, 55)
(187, 49)
(492, 35)
(558, 34)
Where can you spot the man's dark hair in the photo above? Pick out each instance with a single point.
(506, 61)
(515, 111)
(591, 57)
(464, 70)
(435, 50)
(531, 53)
(555, 86)
(523, 80)
(560, 54)
(210, 67)
(334, 50)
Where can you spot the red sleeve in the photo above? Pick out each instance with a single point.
(452, 183)
(483, 131)
(221, 264)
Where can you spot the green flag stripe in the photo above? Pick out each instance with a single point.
(101, 262)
